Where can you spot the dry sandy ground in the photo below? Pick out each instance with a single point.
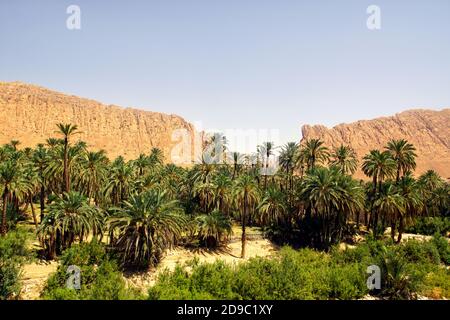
(34, 276)
(230, 254)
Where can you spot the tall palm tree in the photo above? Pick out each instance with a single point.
(379, 166)
(67, 130)
(266, 150)
(288, 158)
(344, 157)
(330, 197)
(148, 224)
(238, 160)
(404, 155)
(315, 153)
(246, 194)
(93, 173)
(391, 205)
(409, 190)
(9, 175)
(41, 160)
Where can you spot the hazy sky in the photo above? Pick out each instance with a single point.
(246, 64)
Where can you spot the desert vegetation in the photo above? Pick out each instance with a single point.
(109, 216)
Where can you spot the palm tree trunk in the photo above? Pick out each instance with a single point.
(33, 212)
(244, 236)
(401, 227)
(66, 173)
(42, 201)
(5, 205)
(393, 230)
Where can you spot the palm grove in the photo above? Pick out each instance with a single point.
(140, 208)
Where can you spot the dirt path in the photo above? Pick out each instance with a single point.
(33, 278)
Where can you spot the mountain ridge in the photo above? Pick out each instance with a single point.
(428, 130)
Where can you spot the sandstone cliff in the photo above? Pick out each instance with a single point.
(428, 130)
(30, 114)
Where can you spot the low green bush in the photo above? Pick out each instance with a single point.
(430, 225)
(101, 278)
(13, 253)
(294, 275)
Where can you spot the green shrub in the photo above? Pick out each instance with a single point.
(9, 279)
(430, 225)
(398, 282)
(13, 253)
(443, 247)
(294, 275)
(100, 276)
(420, 252)
(436, 285)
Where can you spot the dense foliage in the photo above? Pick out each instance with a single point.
(139, 208)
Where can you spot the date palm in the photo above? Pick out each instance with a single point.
(391, 205)
(93, 173)
(70, 216)
(404, 155)
(266, 150)
(147, 225)
(315, 153)
(67, 130)
(41, 160)
(379, 166)
(246, 194)
(344, 157)
(10, 173)
(408, 188)
(213, 228)
(273, 206)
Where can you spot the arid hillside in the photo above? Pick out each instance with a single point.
(30, 114)
(428, 130)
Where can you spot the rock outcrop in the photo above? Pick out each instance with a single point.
(30, 113)
(428, 130)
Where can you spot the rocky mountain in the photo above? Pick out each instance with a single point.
(30, 113)
(428, 130)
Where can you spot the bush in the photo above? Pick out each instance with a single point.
(13, 253)
(9, 279)
(294, 275)
(443, 247)
(431, 225)
(100, 276)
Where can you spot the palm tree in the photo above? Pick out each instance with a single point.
(409, 190)
(246, 195)
(331, 197)
(69, 217)
(120, 181)
(148, 224)
(67, 130)
(238, 160)
(403, 153)
(41, 160)
(213, 228)
(272, 207)
(391, 205)
(344, 157)
(266, 150)
(288, 158)
(222, 185)
(379, 166)
(315, 152)
(9, 175)
(93, 173)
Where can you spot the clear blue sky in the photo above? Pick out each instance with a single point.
(257, 64)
